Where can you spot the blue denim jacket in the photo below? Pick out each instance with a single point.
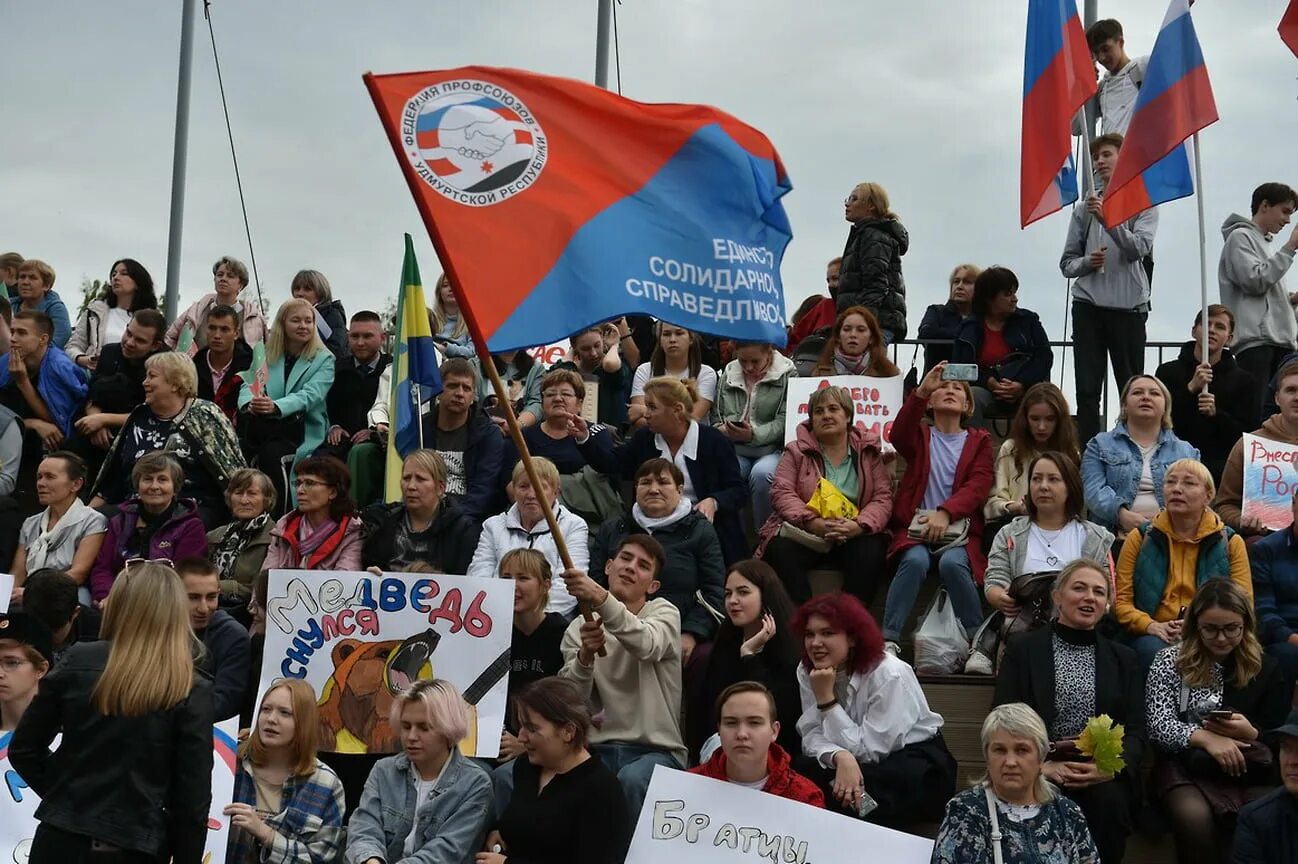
(1111, 470)
(452, 822)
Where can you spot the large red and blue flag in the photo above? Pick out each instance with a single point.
(1175, 102)
(555, 205)
(1058, 78)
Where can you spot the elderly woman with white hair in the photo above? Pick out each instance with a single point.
(174, 420)
(1013, 815)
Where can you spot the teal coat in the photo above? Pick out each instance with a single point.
(303, 393)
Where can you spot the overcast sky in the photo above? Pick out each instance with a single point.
(923, 96)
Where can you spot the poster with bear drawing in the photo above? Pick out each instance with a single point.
(361, 639)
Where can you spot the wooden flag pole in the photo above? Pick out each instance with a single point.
(1203, 258)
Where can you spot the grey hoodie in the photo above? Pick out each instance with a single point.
(1252, 284)
(1122, 283)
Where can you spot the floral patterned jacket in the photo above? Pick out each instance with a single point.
(1058, 834)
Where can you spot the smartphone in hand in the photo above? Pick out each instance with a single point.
(967, 372)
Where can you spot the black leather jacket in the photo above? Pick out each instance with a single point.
(142, 784)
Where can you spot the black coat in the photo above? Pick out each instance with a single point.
(142, 784)
(353, 392)
(871, 272)
(336, 317)
(1025, 336)
(457, 537)
(117, 384)
(1239, 404)
(941, 321)
(482, 457)
(228, 397)
(1266, 831)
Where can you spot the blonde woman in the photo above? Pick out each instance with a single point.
(133, 770)
(288, 805)
(428, 803)
(289, 420)
(449, 330)
(871, 269)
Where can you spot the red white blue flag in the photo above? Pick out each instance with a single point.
(555, 205)
(1175, 102)
(1058, 78)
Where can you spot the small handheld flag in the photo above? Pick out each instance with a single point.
(259, 370)
(185, 343)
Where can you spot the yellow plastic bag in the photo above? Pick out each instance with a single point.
(828, 503)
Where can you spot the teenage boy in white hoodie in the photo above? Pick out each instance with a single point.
(1251, 279)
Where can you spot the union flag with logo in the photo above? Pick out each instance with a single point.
(555, 205)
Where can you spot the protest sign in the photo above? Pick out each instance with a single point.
(876, 400)
(6, 590)
(361, 639)
(1270, 481)
(690, 819)
(18, 802)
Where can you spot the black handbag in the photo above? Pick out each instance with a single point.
(1036, 607)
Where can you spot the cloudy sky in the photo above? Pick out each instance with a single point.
(923, 96)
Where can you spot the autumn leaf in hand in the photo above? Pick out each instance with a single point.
(1102, 741)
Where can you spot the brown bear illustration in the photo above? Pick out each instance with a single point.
(355, 701)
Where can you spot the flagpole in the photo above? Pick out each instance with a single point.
(1203, 257)
(418, 403)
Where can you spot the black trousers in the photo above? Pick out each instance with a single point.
(862, 560)
(1108, 810)
(1262, 361)
(911, 785)
(1101, 335)
(56, 846)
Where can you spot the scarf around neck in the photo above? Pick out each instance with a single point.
(652, 524)
(849, 365)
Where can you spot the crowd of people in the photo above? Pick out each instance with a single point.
(150, 482)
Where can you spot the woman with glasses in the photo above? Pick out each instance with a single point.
(26, 654)
(871, 271)
(1208, 699)
(133, 771)
(323, 532)
(155, 524)
(1166, 560)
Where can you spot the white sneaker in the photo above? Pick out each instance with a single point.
(978, 664)
(892, 648)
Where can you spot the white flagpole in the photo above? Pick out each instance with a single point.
(1203, 256)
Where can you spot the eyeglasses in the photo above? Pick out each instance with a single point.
(133, 562)
(1229, 631)
(308, 483)
(559, 394)
(10, 665)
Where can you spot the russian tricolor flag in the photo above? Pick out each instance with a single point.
(1175, 102)
(1058, 78)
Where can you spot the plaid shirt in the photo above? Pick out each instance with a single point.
(309, 827)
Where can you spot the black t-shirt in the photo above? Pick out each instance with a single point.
(451, 446)
(533, 657)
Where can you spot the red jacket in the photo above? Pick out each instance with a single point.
(820, 315)
(781, 779)
(973, 481)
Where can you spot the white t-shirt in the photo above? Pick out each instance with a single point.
(706, 382)
(1146, 503)
(423, 791)
(115, 325)
(1051, 550)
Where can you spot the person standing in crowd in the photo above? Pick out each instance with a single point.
(1123, 470)
(1251, 279)
(238, 548)
(1014, 815)
(66, 535)
(229, 278)
(821, 315)
(175, 421)
(459, 431)
(591, 357)
(637, 683)
(1052, 533)
(1266, 831)
(566, 804)
(1007, 344)
(289, 418)
(1211, 419)
(1068, 673)
(1043, 422)
(748, 724)
(1208, 699)
(330, 317)
(750, 411)
(521, 374)
(947, 480)
(355, 387)
(26, 655)
(50, 596)
(942, 320)
(39, 383)
(693, 577)
(754, 643)
(866, 726)
(428, 802)
(1281, 426)
(1166, 560)
(1273, 561)
(523, 526)
(221, 363)
(677, 354)
(855, 347)
(134, 768)
(1118, 89)
(323, 531)
(450, 331)
(156, 523)
(871, 269)
(225, 641)
(103, 320)
(288, 805)
(1111, 290)
(713, 484)
(36, 294)
(829, 448)
(422, 526)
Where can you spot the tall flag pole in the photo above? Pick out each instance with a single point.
(1058, 79)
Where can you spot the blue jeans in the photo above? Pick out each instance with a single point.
(912, 569)
(1145, 647)
(633, 764)
(759, 473)
(502, 781)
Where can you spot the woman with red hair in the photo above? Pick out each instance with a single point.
(856, 347)
(868, 735)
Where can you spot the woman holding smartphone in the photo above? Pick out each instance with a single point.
(750, 412)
